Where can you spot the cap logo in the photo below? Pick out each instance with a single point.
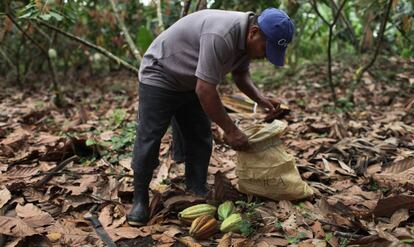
(282, 42)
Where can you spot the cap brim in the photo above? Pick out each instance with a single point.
(275, 55)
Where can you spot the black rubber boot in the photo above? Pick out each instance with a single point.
(195, 179)
(139, 213)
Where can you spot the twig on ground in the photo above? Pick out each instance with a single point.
(59, 167)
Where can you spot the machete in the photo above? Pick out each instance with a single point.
(100, 230)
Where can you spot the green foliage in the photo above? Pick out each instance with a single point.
(278, 225)
(144, 39)
(118, 147)
(246, 228)
(117, 117)
(328, 236)
(94, 21)
(407, 241)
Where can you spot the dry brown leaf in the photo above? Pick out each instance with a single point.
(105, 217)
(126, 232)
(172, 231)
(223, 189)
(318, 231)
(45, 138)
(274, 241)
(126, 163)
(70, 233)
(54, 236)
(314, 242)
(225, 241)
(14, 242)
(399, 216)
(28, 210)
(400, 166)
(162, 174)
(189, 242)
(43, 219)
(15, 227)
(22, 172)
(163, 240)
(16, 138)
(5, 196)
(386, 207)
(181, 201)
(290, 227)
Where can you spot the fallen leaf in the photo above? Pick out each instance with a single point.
(290, 227)
(399, 216)
(15, 227)
(189, 242)
(105, 217)
(318, 231)
(5, 196)
(274, 241)
(54, 236)
(70, 233)
(225, 241)
(43, 219)
(386, 207)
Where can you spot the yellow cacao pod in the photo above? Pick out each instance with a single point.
(203, 227)
(191, 213)
(231, 223)
(225, 210)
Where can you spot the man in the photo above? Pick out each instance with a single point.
(179, 75)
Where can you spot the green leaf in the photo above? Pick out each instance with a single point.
(90, 142)
(45, 17)
(144, 39)
(57, 16)
(118, 117)
(407, 241)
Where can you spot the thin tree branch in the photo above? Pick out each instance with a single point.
(348, 25)
(362, 70)
(159, 16)
(6, 58)
(89, 44)
(339, 12)
(128, 38)
(56, 169)
(201, 4)
(315, 7)
(186, 7)
(331, 26)
(44, 52)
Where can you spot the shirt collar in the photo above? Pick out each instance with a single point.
(244, 24)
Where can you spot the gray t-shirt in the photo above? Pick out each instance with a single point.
(206, 44)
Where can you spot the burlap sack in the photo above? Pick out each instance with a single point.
(267, 169)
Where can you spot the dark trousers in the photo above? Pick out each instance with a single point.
(157, 107)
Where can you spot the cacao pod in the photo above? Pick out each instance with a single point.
(191, 213)
(231, 223)
(203, 227)
(225, 210)
(52, 53)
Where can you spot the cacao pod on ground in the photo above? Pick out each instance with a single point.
(203, 227)
(232, 223)
(225, 210)
(191, 213)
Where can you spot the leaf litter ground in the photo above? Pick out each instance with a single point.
(56, 165)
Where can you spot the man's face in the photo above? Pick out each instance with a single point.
(256, 43)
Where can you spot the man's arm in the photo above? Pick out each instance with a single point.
(246, 85)
(211, 103)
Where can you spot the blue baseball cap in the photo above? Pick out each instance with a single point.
(278, 30)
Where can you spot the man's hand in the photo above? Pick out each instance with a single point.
(270, 105)
(237, 140)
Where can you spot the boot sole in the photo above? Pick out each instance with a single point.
(135, 223)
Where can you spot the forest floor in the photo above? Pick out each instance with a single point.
(58, 164)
